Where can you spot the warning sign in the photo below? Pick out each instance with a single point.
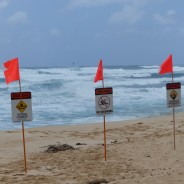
(104, 100)
(173, 94)
(21, 106)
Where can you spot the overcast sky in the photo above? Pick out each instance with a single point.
(46, 33)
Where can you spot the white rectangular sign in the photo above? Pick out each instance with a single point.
(21, 106)
(173, 94)
(104, 100)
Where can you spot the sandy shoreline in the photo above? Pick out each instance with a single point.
(138, 151)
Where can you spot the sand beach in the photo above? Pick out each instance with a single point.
(138, 152)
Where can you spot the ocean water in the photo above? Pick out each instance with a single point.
(65, 96)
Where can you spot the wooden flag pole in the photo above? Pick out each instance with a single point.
(174, 128)
(105, 145)
(174, 124)
(24, 144)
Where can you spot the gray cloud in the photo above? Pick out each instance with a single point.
(4, 4)
(129, 14)
(165, 19)
(20, 17)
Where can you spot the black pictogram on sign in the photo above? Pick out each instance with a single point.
(104, 102)
(173, 94)
(21, 106)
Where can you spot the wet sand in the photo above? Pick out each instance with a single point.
(138, 152)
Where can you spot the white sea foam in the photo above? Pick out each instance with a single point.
(67, 95)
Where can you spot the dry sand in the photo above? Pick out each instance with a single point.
(138, 152)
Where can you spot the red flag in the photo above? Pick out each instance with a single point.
(99, 73)
(11, 72)
(166, 66)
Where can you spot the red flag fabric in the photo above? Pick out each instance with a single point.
(11, 72)
(99, 73)
(166, 66)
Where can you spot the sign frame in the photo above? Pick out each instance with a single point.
(21, 106)
(173, 94)
(104, 100)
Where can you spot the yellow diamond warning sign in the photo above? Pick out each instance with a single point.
(21, 106)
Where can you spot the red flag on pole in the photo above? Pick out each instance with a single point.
(166, 66)
(11, 72)
(99, 73)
